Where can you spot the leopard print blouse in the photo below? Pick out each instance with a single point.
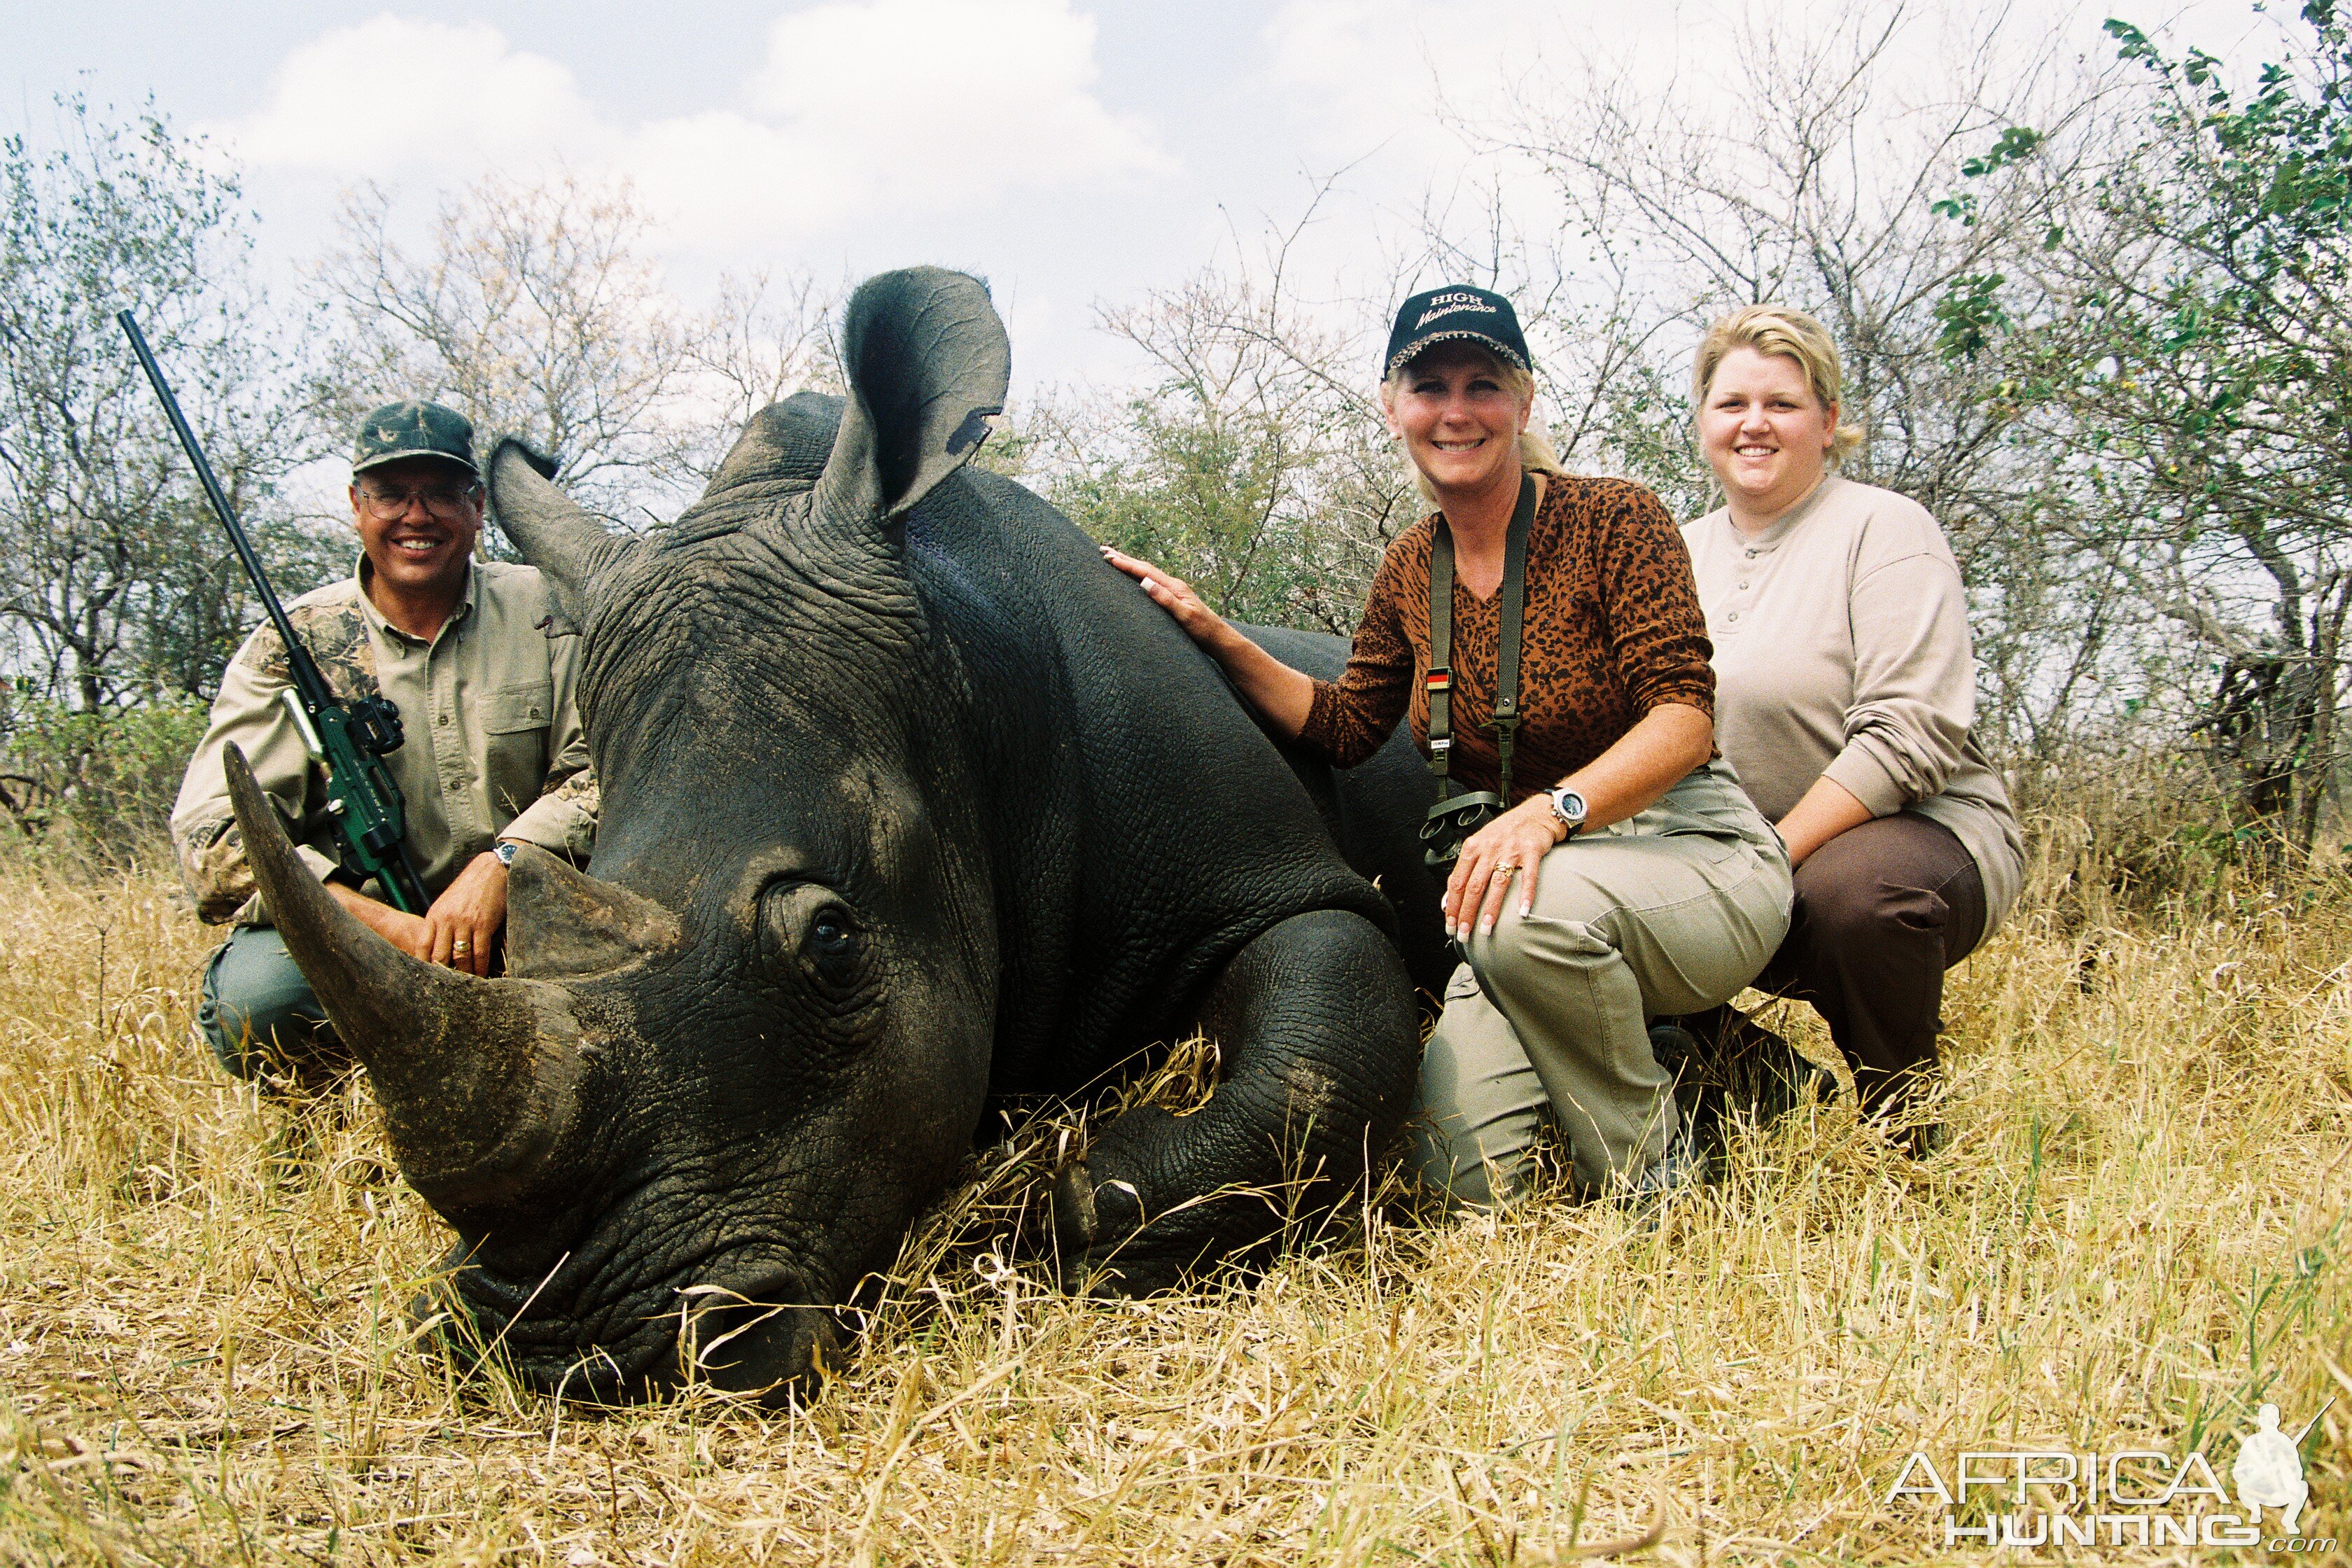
(1613, 629)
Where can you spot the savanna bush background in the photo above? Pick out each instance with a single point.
(2088, 301)
(2087, 287)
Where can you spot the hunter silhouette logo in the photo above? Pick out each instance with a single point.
(2269, 1472)
(2125, 1496)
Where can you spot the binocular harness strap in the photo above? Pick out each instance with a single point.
(1441, 656)
(1507, 662)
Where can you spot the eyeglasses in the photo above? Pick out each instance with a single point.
(390, 506)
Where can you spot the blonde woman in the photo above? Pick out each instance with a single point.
(1845, 697)
(1625, 875)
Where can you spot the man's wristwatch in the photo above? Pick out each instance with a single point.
(1567, 808)
(505, 849)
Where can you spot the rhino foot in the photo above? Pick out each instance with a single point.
(1101, 1207)
(1320, 1040)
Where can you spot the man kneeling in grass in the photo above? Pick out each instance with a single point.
(481, 664)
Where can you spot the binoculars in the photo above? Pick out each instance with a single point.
(1453, 820)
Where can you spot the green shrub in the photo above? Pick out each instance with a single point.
(94, 786)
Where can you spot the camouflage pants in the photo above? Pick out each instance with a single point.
(258, 1013)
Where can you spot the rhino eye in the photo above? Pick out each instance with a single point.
(810, 928)
(832, 948)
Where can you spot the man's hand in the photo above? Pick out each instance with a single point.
(405, 931)
(460, 928)
(465, 921)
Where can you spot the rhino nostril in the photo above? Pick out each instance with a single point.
(776, 1352)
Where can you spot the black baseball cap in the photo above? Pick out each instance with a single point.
(412, 429)
(1479, 315)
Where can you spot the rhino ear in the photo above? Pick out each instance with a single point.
(927, 363)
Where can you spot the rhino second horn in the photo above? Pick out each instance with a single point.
(549, 527)
(561, 923)
(478, 1080)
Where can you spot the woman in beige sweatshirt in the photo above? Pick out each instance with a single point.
(1846, 696)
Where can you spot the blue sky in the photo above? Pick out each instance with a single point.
(1076, 153)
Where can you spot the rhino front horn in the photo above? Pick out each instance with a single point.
(480, 1079)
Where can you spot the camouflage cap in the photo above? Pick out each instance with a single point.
(412, 429)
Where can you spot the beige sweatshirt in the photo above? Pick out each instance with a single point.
(1841, 650)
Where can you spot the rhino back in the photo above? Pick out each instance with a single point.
(1374, 810)
(1142, 827)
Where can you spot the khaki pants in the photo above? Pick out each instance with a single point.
(258, 1012)
(1673, 912)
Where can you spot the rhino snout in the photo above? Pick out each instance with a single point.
(774, 1352)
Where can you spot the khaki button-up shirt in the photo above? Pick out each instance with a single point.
(493, 744)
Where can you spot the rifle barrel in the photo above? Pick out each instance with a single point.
(297, 658)
(366, 804)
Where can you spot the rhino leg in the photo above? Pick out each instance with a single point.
(1321, 1043)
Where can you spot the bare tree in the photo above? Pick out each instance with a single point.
(538, 310)
(1257, 464)
(1804, 175)
(113, 582)
(765, 338)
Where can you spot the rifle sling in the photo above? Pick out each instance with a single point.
(1507, 662)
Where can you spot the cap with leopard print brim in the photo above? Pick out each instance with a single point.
(1456, 312)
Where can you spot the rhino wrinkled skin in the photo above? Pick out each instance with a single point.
(909, 800)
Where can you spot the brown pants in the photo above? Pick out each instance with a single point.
(1883, 909)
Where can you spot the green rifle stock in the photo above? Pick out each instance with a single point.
(350, 739)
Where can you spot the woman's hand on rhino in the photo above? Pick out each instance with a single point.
(1172, 594)
(464, 922)
(1284, 696)
(1507, 849)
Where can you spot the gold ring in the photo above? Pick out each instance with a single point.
(461, 947)
(1507, 866)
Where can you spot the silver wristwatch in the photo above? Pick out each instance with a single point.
(1568, 807)
(504, 847)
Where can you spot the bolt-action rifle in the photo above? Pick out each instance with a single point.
(350, 739)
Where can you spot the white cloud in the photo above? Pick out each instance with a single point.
(940, 95)
(1376, 71)
(870, 108)
(861, 112)
(390, 95)
(1389, 69)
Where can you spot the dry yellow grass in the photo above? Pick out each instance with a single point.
(2137, 1233)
